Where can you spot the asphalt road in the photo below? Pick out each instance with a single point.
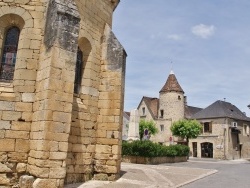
(231, 174)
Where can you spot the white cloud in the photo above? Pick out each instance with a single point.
(203, 31)
(174, 37)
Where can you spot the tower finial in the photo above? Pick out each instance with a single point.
(171, 72)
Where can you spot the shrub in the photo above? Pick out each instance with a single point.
(149, 149)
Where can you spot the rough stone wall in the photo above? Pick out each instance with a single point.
(16, 98)
(46, 130)
(173, 105)
(224, 142)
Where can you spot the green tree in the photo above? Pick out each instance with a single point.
(150, 125)
(186, 129)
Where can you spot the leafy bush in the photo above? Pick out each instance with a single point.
(149, 149)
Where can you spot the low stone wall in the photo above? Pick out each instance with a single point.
(153, 160)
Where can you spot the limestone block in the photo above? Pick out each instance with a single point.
(20, 126)
(42, 183)
(111, 169)
(7, 96)
(60, 137)
(63, 146)
(53, 146)
(17, 157)
(116, 150)
(3, 157)
(58, 155)
(25, 88)
(28, 97)
(62, 117)
(21, 167)
(4, 125)
(101, 177)
(23, 107)
(38, 171)
(4, 168)
(57, 173)
(39, 154)
(107, 141)
(26, 181)
(78, 148)
(17, 134)
(2, 133)
(7, 145)
(27, 116)
(91, 148)
(5, 105)
(101, 133)
(4, 180)
(22, 145)
(103, 149)
(111, 163)
(10, 115)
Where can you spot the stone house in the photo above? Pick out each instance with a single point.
(219, 139)
(169, 107)
(225, 132)
(62, 76)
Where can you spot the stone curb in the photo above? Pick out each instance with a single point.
(200, 177)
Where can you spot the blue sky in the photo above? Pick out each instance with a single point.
(208, 42)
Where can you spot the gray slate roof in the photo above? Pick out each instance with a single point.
(221, 109)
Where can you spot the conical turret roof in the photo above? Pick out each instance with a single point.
(171, 84)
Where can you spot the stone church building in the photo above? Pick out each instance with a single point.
(62, 74)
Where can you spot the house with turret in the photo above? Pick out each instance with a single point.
(225, 129)
(171, 106)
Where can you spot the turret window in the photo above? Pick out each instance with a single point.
(161, 113)
(8, 59)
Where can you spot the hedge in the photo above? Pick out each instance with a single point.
(150, 149)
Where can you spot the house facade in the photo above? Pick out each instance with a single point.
(62, 74)
(225, 133)
(171, 106)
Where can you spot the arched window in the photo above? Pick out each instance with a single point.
(78, 71)
(8, 60)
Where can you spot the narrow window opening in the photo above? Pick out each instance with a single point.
(161, 113)
(78, 71)
(143, 110)
(8, 59)
(162, 128)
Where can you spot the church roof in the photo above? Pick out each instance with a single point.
(171, 84)
(221, 109)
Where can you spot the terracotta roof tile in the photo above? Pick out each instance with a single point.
(171, 84)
